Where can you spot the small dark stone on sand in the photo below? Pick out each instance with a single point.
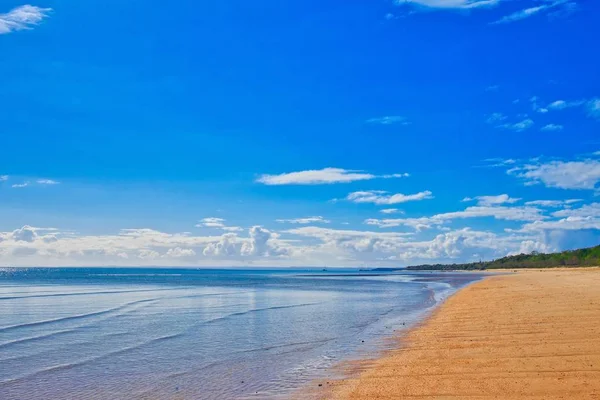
(320, 384)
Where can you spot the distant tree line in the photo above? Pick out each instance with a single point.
(588, 257)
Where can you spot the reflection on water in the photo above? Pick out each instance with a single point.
(198, 334)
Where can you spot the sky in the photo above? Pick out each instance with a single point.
(315, 133)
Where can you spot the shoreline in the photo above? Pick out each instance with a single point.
(321, 388)
(532, 334)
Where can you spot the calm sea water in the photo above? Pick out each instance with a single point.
(108, 333)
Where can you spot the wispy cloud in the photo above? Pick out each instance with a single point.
(449, 4)
(552, 203)
(382, 197)
(552, 128)
(495, 118)
(218, 223)
(583, 174)
(391, 211)
(47, 182)
(388, 120)
(499, 162)
(42, 182)
(593, 108)
(535, 105)
(23, 17)
(562, 104)
(518, 126)
(531, 11)
(492, 200)
(499, 212)
(307, 220)
(322, 176)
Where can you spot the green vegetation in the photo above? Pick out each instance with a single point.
(574, 258)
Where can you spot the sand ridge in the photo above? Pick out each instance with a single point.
(529, 335)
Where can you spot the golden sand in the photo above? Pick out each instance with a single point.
(529, 335)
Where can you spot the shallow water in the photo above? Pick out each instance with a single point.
(109, 333)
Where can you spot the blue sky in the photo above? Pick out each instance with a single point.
(219, 133)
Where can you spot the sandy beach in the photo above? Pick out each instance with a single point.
(529, 335)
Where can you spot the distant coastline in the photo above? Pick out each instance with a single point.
(587, 257)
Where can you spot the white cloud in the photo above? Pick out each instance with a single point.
(381, 197)
(573, 228)
(499, 162)
(517, 213)
(593, 108)
(552, 128)
(138, 247)
(24, 234)
(492, 200)
(218, 223)
(24, 251)
(23, 17)
(307, 245)
(260, 244)
(211, 222)
(389, 120)
(571, 201)
(518, 126)
(449, 4)
(587, 210)
(584, 174)
(456, 244)
(20, 185)
(47, 182)
(531, 11)
(232, 228)
(228, 245)
(391, 211)
(506, 213)
(334, 240)
(568, 224)
(3, 178)
(322, 176)
(146, 254)
(178, 252)
(536, 107)
(418, 224)
(307, 220)
(551, 203)
(390, 176)
(496, 117)
(562, 104)
(463, 245)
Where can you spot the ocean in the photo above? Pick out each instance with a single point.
(147, 333)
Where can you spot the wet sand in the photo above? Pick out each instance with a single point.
(530, 335)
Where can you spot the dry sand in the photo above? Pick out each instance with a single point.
(530, 335)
